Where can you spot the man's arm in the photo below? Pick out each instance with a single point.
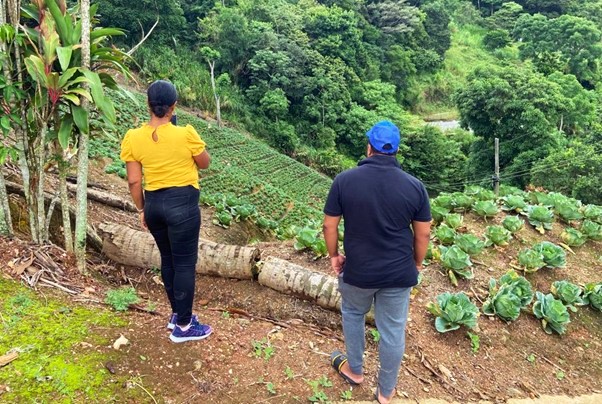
(331, 236)
(422, 234)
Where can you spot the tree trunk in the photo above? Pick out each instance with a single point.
(93, 238)
(218, 113)
(106, 198)
(293, 279)
(81, 219)
(38, 159)
(63, 168)
(136, 248)
(6, 225)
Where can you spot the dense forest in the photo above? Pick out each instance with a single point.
(310, 77)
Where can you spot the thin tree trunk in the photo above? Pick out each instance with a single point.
(218, 113)
(6, 225)
(39, 158)
(63, 168)
(81, 219)
(137, 248)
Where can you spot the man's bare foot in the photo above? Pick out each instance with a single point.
(346, 370)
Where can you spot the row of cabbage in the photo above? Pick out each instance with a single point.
(512, 294)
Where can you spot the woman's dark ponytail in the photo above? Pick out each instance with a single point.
(160, 110)
(161, 96)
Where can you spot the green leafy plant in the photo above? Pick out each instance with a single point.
(262, 349)
(439, 213)
(573, 237)
(591, 230)
(541, 198)
(271, 388)
(444, 200)
(290, 375)
(318, 395)
(552, 312)
(223, 219)
(346, 395)
(461, 201)
(457, 262)
(568, 211)
(553, 255)
(479, 193)
(570, 294)
(454, 220)
(508, 296)
(592, 294)
(514, 203)
(475, 342)
(375, 335)
(531, 260)
(513, 223)
(324, 381)
(445, 234)
(485, 209)
(593, 213)
(497, 235)
(120, 299)
(540, 217)
(469, 243)
(309, 238)
(452, 311)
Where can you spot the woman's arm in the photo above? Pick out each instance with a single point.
(202, 160)
(134, 174)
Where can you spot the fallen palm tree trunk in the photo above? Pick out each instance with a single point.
(293, 279)
(136, 248)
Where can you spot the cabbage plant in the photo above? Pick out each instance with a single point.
(542, 198)
(568, 211)
(540, 217)
(569, 293)
(513, 223)
(592, 212)
(508, 296)
(479, 193)
(454, 220)
(453, 311)
(592, 294)
(514, 203)
(469, 243)
(461, 201)
(444, 200)
(507, 190)
(591, 230)
(553, 255)
(573, 237)
(531, 260)
(497, 235)
(445, 234)
(485, 208)
(438, 213)
(552, 312)
(457, 262)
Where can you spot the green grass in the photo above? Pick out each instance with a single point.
(53, 365)
(281, 188)
(464, 56)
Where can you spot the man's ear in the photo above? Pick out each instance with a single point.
(369, 151)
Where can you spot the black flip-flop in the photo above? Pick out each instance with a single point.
(337, 360)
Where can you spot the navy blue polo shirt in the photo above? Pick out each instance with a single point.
(378, 202)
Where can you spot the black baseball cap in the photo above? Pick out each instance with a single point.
(162, 92)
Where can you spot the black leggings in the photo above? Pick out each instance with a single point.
(173, 217)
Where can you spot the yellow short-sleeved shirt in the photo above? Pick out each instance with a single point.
(167, 162)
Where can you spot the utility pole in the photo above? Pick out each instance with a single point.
(496, 174)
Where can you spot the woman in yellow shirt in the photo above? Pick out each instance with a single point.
(168, 157)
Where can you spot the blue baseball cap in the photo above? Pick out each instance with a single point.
(384, 137)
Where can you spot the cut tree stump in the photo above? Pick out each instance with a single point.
(296, 280)
(136, 248)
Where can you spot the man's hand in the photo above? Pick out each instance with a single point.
(143, 221)
(419, 267)
(337, 263)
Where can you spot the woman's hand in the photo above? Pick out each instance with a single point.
(143, 221)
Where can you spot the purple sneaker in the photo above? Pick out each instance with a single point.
(173, 320)
(197, 331)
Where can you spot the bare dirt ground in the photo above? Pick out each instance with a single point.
(269, 347)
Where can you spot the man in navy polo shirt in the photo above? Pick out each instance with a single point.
(387, 227)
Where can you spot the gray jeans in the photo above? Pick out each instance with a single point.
(390, 312)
